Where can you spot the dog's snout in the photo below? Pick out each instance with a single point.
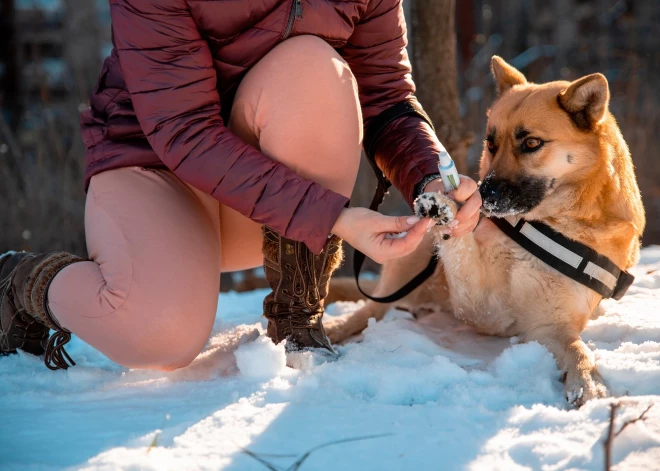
(489, 193)
(506, 197)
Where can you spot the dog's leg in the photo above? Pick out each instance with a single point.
(582, 381)
(393, 275)
(463, 260)
(342, 328)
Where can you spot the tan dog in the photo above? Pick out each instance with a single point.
(553, 153)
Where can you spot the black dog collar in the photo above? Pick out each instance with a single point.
(573, 259)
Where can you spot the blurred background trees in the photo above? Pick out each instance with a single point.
(51, 51)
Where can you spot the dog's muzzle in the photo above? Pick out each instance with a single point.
(502, 197)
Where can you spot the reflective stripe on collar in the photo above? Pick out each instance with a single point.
(575, 260)
(550, 246)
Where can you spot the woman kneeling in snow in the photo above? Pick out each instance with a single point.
(220, 137)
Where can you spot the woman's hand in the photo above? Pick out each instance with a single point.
(468, 215)
(366, 231)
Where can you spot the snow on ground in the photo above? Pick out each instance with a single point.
(431, 395)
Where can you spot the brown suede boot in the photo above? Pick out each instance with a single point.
(299, 280)
(25, 319)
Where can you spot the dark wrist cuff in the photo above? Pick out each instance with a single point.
(375, 130)
(419, 188)
(409, 107)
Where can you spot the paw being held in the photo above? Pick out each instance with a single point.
(436, 206)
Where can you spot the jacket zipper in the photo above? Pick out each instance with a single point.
(294, 14)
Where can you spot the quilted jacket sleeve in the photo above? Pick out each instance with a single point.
(376, 53)
(171, 80)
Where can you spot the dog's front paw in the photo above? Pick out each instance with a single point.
(436, 206)
(580, 388)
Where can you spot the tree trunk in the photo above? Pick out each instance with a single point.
(82, 47)
(9, 86)
(433, 41)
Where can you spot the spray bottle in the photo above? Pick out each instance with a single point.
(448, 172)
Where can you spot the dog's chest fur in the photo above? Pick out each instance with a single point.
(501, 289)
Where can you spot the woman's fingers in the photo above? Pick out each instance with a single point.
(467, 217)
(471, 207)
(401, 246)
(465, 227)
(396, 224)
(466, 189)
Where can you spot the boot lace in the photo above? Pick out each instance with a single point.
(55, 352)
(55, 357)
(302, 320)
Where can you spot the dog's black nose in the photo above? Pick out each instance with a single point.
(490, 194)
(504, 196)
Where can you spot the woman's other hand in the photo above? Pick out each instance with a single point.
(468, 214)
(367, 231)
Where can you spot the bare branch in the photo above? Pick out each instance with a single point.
(268, 465)
(611, 435)
(296, 466)
(641, 417)
(299, 462)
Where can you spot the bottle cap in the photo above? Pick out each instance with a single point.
(445, 159)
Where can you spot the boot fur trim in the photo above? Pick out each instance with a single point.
(271, 245)
(335, 254)
(38, 283)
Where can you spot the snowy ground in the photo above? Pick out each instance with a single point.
(431, 396)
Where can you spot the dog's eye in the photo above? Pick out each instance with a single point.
(531, 144)
(490, 145)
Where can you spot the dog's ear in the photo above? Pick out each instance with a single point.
(506, 76)
(586, 100)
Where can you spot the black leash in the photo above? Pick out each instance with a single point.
(359, 257)
(410, 107)
(421, 277)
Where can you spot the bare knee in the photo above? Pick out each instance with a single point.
(161, 351)
(308, 64)
(306, 111)
(163, 344)
(310, 52)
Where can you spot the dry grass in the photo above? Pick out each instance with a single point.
(41, 186)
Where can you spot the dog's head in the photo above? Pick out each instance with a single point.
(540, 138)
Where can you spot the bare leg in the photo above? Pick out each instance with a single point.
(148, 298)
(298, 105)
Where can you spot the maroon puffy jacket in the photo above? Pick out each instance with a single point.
(166, 91)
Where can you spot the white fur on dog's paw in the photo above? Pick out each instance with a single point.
(579, 389)
(438, 207)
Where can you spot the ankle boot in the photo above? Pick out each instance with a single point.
(25, 318)
(299, 281)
